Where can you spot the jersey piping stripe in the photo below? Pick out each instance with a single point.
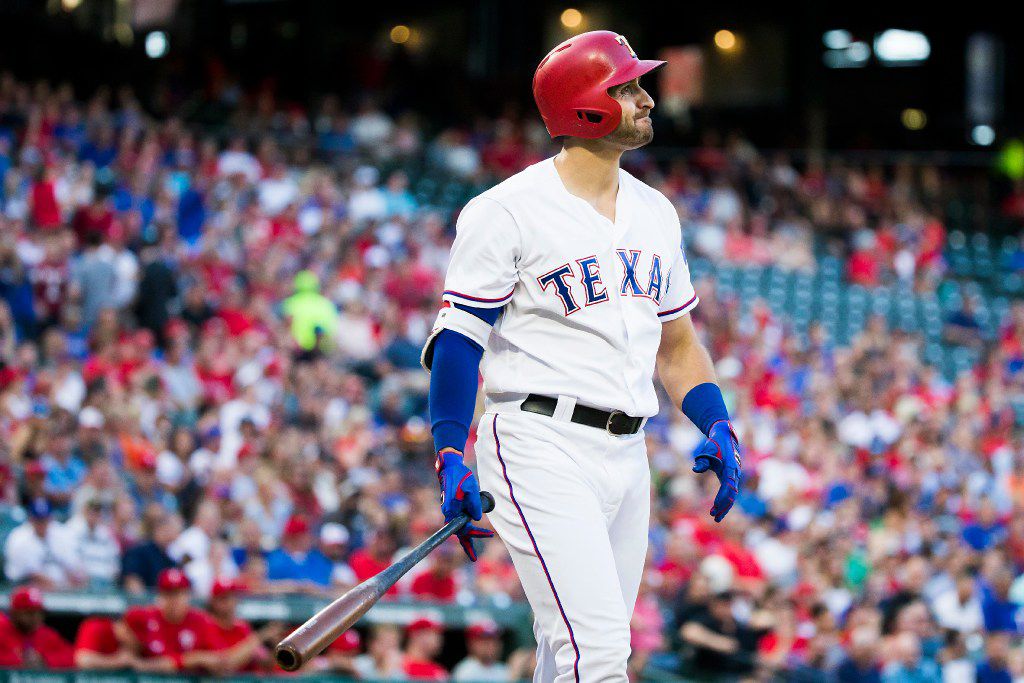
(482, 300)
(543, 564)
(679, 308)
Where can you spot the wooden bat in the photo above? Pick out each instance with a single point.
(324, 627)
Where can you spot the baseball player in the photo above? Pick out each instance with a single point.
(567, 288)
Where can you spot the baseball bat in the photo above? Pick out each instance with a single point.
(324, 627)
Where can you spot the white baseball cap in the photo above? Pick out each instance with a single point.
(333, 534)
(90, 417)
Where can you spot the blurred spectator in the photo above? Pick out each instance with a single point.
(314, 317)
(238, 647)
(97, 648)
(64, 472)
(986, 530)
(862, 664)
(906, 663)
(170, 636)
(994, 668)
(483, 659)
(95, 544)
(297, 565)
(999, 610)
(194, 542)
(340, 656)
(144, 562)
(423, 643)
(962, 326)
(374, 558)
(719, 642)
(437, 582)
(958, 607)
(334, 540)
(383, 658)
(25, 641)
(41, 550)
(96, 279)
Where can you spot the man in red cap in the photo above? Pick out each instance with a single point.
(238, 646)
(171, 635)
(424, 638)
(568, 287)
(25, 641)
(483, 663)
(297, 565)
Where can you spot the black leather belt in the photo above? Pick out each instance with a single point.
(615, 422)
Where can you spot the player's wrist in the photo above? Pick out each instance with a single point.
(449, 436)
(705, 406)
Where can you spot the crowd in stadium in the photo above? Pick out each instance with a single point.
(210, 384)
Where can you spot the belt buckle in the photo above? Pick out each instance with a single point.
(608, 425)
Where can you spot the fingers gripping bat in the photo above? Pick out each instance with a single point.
(324, 627)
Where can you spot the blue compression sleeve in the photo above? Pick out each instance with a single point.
(453, 383)
(705, 406)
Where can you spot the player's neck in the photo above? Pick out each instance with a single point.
(590, 171)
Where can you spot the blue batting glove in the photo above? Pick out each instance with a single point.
(720, 453)
(460, 494)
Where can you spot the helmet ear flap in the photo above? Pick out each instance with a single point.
(590, 116)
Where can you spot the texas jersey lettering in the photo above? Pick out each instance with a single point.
(584, 297)
(588, 274)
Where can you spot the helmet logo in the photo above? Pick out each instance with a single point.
(625, 43)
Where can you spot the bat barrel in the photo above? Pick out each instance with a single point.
(327, 625)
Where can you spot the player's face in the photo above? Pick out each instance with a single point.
(635, 129)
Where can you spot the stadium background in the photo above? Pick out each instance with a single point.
(173, 173)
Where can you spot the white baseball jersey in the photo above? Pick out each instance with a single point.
(584, 298)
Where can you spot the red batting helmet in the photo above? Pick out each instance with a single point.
(571, 84)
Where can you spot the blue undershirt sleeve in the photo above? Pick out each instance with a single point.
(453, 383)
(705, 406)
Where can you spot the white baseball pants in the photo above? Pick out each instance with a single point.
(573, 507)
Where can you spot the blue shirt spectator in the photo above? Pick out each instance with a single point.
(297, 560)
(65, 472)
(999, 611)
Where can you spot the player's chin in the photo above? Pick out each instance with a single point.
(634, 136)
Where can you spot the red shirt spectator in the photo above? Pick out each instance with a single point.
(171, 629)
(51, 280)
(96, 634)
(97, 647)
(437, 582)
(424, 636)
(863, 268)
(95, 219)
(25, 641)
(45, 209)
(236, 644)
(374, 558)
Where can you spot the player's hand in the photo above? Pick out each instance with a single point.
(720, 453)
(460, 494)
